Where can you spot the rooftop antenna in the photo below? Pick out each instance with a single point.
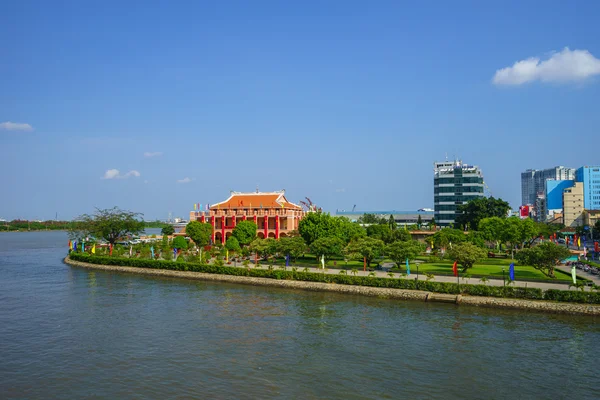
(446, 156)
(257, 188)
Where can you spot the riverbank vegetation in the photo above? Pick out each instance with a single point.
(345, 279)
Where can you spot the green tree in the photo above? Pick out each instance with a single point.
(492, 228)
(444, 237)
(199, 232)
(322, 225)
(165, 243)
(466, 254)
(392, 223)
(367, 248)
(109, 224)
(180, 243)
(370, 219)
(401, 235)
(294, 246)
(232, 244)
(469, 215)
(419, 221)
(399, 252)
(543, 257)
(245, 232)
(167, 230)
(381, 232)
(432, 223)
(328, 247)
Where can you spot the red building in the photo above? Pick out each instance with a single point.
(274, 215)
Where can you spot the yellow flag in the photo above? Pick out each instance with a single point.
(195, 206)
(94, 249)
(578, 242)
(282, 205)
(227, 255)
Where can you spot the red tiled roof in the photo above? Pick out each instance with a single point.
(255, 200)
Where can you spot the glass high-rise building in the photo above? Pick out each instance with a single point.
(590, 177)
(454, 184)
(533, 181)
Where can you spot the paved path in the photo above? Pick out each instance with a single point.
(441, 278)
(580, 273)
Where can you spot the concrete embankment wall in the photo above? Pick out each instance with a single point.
(401, 294)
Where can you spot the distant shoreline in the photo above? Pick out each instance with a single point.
(400, 294)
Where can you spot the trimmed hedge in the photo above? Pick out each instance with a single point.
(437, 287)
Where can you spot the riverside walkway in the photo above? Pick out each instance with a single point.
(440, 278)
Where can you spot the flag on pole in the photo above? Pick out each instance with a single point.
(195, 205)
(94, 248)
(287, 260)
(130, 251)
(573, 274)
(323, 261)
(407, 267)
(83, 247)
(70, 244)
(175, 254)
(110, 249)
(511, 271)
(455, 268)
(227, 255)
(152, 251)
(578, 242)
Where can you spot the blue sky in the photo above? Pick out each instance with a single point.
(344, 102)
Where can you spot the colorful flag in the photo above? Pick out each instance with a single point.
(70, 244)
(227, 255)
(74, 245)
(323, 261)
(407, 267)
(110, 249)
(455, 268)
(578, 242)
(573, 274)
(175, 253)
(130, 251)
(152, 251)
(282, 205)
(287, 260)
(511, 271)
(94, 248)
(596, 247)
(83, 247)
(195, 206)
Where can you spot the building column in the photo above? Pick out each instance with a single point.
(233, 221)
(244, 218)
(222, 229)
(255, 221)
(266, 230)
(212, 223)
(277, 227)
(203, 219)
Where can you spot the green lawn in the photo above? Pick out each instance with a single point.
(491, 267)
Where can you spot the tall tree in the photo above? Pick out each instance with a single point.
(367, 248)
(245, 232)
(232, 244)
(109, 224)
(543, 257)
(466, 254)
(399, 252)
(180, 243)
(167, 230)
(294, 246)
(469, 215)
(199, 232)
(381, 232)
(392, 222)
(327, 247)
(322, 225)
(419, 221)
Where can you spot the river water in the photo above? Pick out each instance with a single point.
(71, 333)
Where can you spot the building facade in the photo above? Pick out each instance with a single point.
(590, 177)
(402, 218)
(454, 184)
(273, 214)
(573, 205)
(533, 182)
(553, 197)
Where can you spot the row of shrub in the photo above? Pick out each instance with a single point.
(437, 287)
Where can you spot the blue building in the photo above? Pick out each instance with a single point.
(590, 177)
(554, 193)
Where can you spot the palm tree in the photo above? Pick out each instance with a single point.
(484, 280)
(354, 271)
(430, 277)
(343, 272)
(390, 274)
(305, 269)
(372, 274)
(579, 285)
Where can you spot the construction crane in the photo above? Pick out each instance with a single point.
(489, 191)
(308, 204)
(354, 208)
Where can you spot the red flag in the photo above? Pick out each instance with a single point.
(596, 247)
(455, 268)
(110, 250)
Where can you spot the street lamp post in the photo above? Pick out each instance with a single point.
(503, 279)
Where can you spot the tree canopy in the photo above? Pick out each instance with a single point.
(469, 215)
(466, 254)
(232, 244)
(167, 230)
(245, 232)
(322, 225)
(366, 247)
(180, 243)
(199, 232)
(543, 257)
(327, 247)
(399, 252)
(109, 224)
(294, 246)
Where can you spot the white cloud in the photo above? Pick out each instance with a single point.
(342, 190)
(565, 66)
(115, 174)
(15, 126)
(153, 154)
(185, 180)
